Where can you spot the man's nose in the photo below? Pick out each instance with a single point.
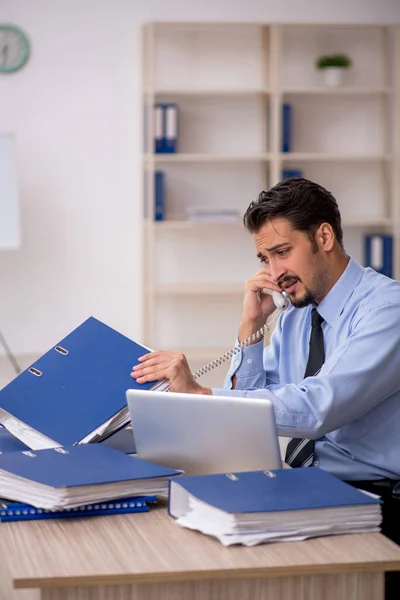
(277, 270)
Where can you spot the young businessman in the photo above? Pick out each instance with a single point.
(336, 391)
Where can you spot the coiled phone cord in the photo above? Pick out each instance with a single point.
(227, 355)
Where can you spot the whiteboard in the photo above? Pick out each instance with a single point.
(9, 201)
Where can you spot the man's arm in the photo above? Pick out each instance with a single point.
(360, 374)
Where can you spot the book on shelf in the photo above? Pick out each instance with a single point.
(159, 195)
(287, 122)
(290, 173)
(74, 393)
(268, 506)
(72, 476)
(165, 127)
(19, 511)
(378, 251)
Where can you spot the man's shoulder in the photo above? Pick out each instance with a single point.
(377, 289)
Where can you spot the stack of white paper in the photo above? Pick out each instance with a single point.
(272, 506)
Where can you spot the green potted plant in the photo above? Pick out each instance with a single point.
(333, 67)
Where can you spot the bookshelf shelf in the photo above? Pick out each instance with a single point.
(326, 156)
(229, 82)
(177, 158)
(181, 93)
(203, 226)
(339, 91)
(197, 290)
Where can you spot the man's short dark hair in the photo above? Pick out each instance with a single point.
(302, 202)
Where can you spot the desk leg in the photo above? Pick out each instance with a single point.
(350, 586)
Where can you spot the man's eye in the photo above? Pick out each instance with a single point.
(283, 252)
(264, 261)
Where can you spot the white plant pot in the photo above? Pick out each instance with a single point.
(333, 76)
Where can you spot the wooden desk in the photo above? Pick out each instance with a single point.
(149, 557)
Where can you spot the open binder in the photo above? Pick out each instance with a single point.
(75, 393)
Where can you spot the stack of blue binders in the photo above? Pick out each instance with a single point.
(51, 415)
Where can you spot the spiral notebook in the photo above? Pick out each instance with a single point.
(18, 511)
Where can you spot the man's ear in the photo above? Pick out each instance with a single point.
(325, 237)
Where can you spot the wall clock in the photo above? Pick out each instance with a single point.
(14, 48)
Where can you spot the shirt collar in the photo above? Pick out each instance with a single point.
(337, 297)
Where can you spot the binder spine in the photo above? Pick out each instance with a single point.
(159, 191)
(171, 128)
(159, 129)
(379, 253)
(286, 128)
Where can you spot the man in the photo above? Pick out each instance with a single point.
(340, 400)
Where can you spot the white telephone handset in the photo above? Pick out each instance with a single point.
(281, 302)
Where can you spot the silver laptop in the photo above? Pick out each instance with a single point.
(204, 434)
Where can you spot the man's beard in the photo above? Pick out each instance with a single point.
(308, 298)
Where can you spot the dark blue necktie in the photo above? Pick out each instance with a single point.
(300, 451)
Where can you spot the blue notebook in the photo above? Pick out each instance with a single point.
(269, 491)
(18, 511)
(73, 389)
(71, 476)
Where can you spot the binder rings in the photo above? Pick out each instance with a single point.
(260, 506)
(66, 477)
(18, 511)
(75, 393)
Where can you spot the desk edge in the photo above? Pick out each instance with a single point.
(175, 577)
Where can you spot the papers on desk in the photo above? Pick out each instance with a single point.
(61, 478)
(270, 506)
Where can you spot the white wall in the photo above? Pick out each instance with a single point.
(75, 109)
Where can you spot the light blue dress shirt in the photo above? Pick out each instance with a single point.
(352, 407)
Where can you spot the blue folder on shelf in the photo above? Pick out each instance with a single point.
(159, 195)
(18, 511)
(70, 476)
(286, 128)
(159, 128)
(75, 393)
(378, 251)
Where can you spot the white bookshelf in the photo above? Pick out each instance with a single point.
(230, 81)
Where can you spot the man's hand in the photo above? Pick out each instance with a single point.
(173, 366)
(257, 307)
